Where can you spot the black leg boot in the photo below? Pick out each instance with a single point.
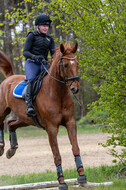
(28, 99)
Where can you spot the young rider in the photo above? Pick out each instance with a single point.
(36, 48)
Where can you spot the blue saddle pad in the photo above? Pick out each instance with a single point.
(17, 92)
(36, 85)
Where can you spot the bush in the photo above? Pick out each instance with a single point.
(95, 118)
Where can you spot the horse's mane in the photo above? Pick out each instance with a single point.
(6, 65)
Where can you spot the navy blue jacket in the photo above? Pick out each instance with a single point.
(38, 44)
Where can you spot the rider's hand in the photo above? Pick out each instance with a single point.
(44, 61)
(38, 58)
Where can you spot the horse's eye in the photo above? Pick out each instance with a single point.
(66, 65)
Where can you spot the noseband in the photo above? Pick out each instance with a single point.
(65, 78)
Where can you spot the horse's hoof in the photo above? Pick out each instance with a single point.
(10, 153)
(82, 180)
(63, 186)
(1, 149)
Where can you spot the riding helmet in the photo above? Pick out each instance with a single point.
(43, 20)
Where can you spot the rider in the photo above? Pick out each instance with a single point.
(36, 48)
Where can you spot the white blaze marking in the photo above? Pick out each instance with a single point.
(72, 62)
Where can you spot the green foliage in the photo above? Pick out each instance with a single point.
(85, 120)
(95, 118)
(100, 30)
(1, 77)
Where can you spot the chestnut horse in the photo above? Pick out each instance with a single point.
(54, 106)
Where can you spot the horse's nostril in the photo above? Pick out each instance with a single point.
(74, 90)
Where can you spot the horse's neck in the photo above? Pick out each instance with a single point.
(57, 87)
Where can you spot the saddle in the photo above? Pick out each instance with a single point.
(20, 89)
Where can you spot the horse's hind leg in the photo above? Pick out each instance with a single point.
(2, 117)
(13, 125)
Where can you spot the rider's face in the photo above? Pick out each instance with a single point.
(43, 28)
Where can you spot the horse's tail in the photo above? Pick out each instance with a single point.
(6, 65)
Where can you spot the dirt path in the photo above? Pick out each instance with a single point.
(34, 154)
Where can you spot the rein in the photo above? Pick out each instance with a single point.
(66, 79)
(53, 77)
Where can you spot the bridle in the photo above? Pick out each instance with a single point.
(65, 78)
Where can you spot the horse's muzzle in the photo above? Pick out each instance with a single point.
(74, 86)
(74, 90)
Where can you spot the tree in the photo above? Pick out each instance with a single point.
(100, 28)
(7, 30)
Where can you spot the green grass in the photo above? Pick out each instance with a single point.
(83, 126)
(96, 174)
(32, 131)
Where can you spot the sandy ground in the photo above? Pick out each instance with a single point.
(34, 154)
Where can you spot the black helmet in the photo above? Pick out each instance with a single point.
(43, 20)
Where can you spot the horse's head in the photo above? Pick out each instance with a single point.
(68, 66)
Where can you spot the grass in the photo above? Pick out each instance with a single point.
(32, 131)
(96, 174)
(83, 127)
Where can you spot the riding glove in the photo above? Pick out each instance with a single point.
(38, 58)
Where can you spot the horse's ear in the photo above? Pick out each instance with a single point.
(62, 49)
(75, 47)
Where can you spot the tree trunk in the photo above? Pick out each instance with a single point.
(17, 52)
(27, 11)
(7, 30)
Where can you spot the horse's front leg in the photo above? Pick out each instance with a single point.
(72, 133)
(52, 135)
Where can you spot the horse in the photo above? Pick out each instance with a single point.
(54, 106)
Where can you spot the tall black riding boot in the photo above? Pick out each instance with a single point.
(28, 99)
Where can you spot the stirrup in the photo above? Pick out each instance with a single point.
(30, 112)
